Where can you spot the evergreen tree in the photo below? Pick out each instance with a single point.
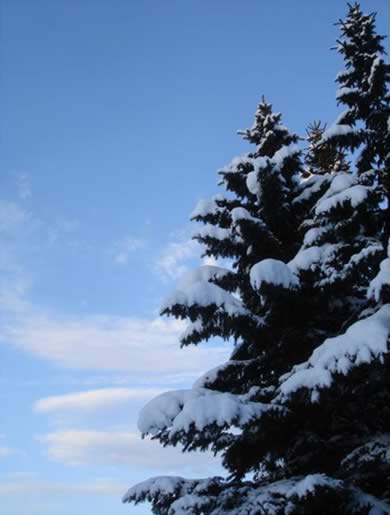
(244, 227)
(364, 86)
(322, 159)
(364, 91)
(300, 414)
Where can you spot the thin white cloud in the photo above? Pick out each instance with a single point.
(61, 231)
(5, 451)
(23, 486)
(12, 216)
(148, 348)
(92, 400)
(144, 347)
(174, 260)
(74, 447)
(23, 185)
(123, 249)
(179, 256)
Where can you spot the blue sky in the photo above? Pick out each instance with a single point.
(115, 118)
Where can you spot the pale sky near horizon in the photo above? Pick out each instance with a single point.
(115, 118)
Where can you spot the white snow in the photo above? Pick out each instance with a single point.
(260, 163)
(276, 162)
(177, 411)
(342, 74)
(154, 486)
(336, 130)
(355, 195)
(189, 503)
(272, 271)
(160, 412)
(367, 251)
(381, 279)
(209, 376)
(311, 186)
(190, 495)
(237, 162)
(213, 231)
(278, 127)
(309, 483)
(363, 341)
(366, 501)
(344, 91)
(341, 181)
(203, 294)
(284, 153)
(240, 213)
(206, 206)
(203, 273)
(376, 63)
(252, 183)
(306, 259)
(341, 117)
(377, 449)
(297, 486)
(313, 235)
(193, 327)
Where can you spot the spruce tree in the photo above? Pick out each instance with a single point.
(364, 92)
(322, 159)
(300, 414)
(363, 87)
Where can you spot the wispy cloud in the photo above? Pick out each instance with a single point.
(179, 256)
(5, 451)
(23, 185)
(175, 258)
(143, 347)
(37, 495)
(123, 249)
(61, 231)
(30, 485)
(92, 400)
(75, 447)
(12, 216)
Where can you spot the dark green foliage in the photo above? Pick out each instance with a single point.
(322, 159)
(305, 301)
